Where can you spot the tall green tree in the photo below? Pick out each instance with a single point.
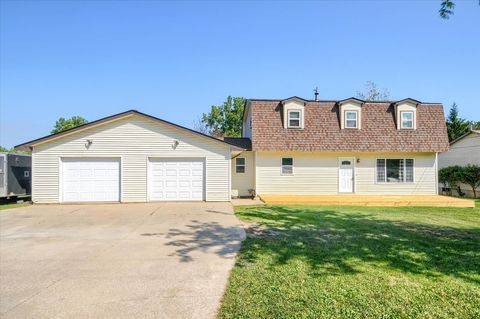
(63, 124)
(456, 126)
(226, 119)
(373, 93)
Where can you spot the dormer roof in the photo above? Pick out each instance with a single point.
(408, 100)
(351, 100)
(294, 99)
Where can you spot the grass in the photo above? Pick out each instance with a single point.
(357, 262)
(10, 204)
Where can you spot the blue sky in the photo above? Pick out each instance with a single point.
(175, 59)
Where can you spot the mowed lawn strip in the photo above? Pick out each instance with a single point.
(356, 262)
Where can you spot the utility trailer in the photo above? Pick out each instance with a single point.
(15, 175)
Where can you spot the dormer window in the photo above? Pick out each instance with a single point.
(406, 120)
(351, 119)
(293, 112)
(351, 113)
(294, 118)
(406, 114)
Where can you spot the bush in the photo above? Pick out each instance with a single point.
(471, 176)
(452, 176)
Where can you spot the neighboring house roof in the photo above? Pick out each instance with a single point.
(464, 135)
(88, 125)
(322, 132)
(242, 142)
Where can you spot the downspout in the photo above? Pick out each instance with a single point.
(436, 173)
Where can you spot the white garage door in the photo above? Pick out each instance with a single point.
(91, 180)
(176, 179)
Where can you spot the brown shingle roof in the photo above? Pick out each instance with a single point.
(322, 131)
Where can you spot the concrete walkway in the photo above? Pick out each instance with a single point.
(169, 260)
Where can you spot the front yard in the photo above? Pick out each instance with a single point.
(356, 262)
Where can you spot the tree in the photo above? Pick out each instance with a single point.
(12, 150)
(4, 149)
(225, 119)
(474, 125)
(450, 176)
(199, 126)
(446, 9)
(63, 124)
(456, 126)
(373, 93)
(471, 176)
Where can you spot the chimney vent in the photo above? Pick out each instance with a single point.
(316, 93)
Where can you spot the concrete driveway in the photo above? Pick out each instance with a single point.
(156, 260)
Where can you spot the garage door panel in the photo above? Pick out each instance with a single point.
(91, 180)
(176, 179)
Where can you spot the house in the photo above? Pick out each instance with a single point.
(291, 146)
(306, 147)
(463, 151)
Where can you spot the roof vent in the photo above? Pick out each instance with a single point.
(315, 90)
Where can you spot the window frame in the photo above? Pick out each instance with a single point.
(404, 177)
(299, 118)
(282, 166)
(244, 165)
(401, 120)
(345, 119)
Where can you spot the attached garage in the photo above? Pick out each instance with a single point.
(176, 179)
(130, 157)
(90, 180)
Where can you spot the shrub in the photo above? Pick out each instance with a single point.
(470, 175)
(450, 176)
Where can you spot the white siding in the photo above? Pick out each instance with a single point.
(133, 140)
(247, 122)
(317, 173)
(465, 151)
(242, 182)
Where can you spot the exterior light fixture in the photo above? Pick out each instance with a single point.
(175, 144)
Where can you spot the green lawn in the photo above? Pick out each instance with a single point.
(357, 262)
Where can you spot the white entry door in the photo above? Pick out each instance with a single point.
(346, 175)
(176, 179)
(90, 180)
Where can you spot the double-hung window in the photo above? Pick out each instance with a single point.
(287, 166)
(395, 170)
(240, 165)
(351, 119)
(406, 120)
(294, 118)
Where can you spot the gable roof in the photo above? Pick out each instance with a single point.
(110, 118)
(351, 99)
(465, 135)
(243, 142)
(408, 99)
(322, 131)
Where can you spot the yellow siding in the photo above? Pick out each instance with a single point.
(134, 140)
(241, 183)
(317, 173)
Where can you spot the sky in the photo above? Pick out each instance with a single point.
(174, 60)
